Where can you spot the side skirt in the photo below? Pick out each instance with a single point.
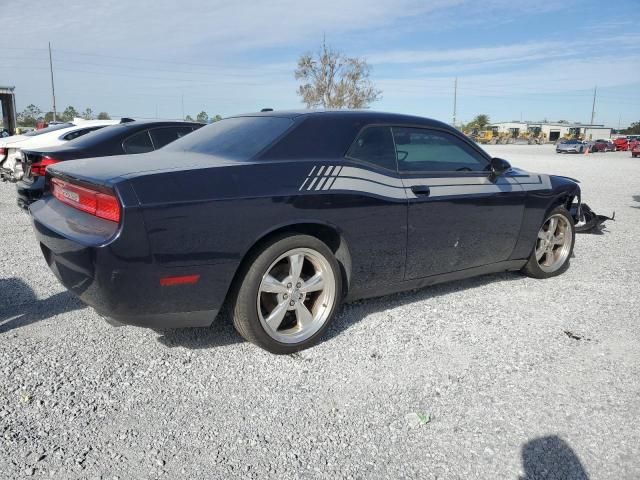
(509, 265)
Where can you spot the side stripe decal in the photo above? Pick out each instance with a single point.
(362, 180)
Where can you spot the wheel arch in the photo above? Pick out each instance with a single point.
(329, 234)
(565, 198)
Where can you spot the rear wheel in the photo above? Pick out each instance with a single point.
(553, 247)
(288, 295)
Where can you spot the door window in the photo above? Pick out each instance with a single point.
(138, 143)
(424, 150)
(374, 145)
(165, 135)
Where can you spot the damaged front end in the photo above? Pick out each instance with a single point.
(586, 220)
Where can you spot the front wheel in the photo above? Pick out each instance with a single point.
(554, 246)
(288, 295)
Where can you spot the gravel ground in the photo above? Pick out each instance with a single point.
(476, 379)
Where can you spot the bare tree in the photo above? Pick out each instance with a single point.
(87, 114)
(332, 80)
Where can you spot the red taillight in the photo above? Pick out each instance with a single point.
(100, 204)
(3, 151)
(38, 169)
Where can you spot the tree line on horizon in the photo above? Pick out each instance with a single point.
(32, 115)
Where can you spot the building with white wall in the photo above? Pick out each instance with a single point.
(554, 130)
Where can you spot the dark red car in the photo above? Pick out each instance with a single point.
(602, 146)
(635, 152)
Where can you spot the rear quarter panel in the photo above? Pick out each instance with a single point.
(215, 215)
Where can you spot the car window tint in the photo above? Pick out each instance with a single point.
(374, 145)
(138, 143)
(427, 150)
(239, 138)
(165, 135)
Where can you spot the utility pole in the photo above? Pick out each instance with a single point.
(53, 88)
(455, 99)
(593, 108)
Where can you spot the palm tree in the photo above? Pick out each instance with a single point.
(481, 121)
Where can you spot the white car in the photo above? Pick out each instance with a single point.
(11, 147)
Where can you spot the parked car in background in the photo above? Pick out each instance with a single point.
(8, 140)
(626, 143)
(602, 145)
(635, 152)
(621, 143)
(130, 137)
(51, 136)
(571, 146)
(283, 214)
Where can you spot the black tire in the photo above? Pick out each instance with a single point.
(245, 307)
(581, 149)
(532, 268)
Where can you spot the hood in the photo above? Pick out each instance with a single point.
(110, 170)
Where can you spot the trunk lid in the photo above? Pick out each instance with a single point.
(110, 170)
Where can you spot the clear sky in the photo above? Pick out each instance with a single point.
(513, 59)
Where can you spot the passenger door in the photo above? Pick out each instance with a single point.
(459, 215)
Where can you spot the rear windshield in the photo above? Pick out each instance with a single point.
(239, 138)
(52, 128)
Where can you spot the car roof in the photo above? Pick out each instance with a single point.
(158, 123)
(367, 116)
(124, 130)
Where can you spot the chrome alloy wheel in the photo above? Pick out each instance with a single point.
(296, 295)
(554, 243)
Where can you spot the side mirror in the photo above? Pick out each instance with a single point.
(499, 166)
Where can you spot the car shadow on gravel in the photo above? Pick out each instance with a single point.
(20, 307)
(223, 333)
(354, 312)
(220, 334)
(636, 198)
(551, 458)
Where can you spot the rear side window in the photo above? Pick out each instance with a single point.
(79, 133)
(165, 135)
(239, 138)
(375, 145)
(138, 143)
(424, 150)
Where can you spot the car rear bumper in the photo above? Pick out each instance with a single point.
(29, 192)
(115, 277)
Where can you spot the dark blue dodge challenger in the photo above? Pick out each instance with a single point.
(282, 215)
